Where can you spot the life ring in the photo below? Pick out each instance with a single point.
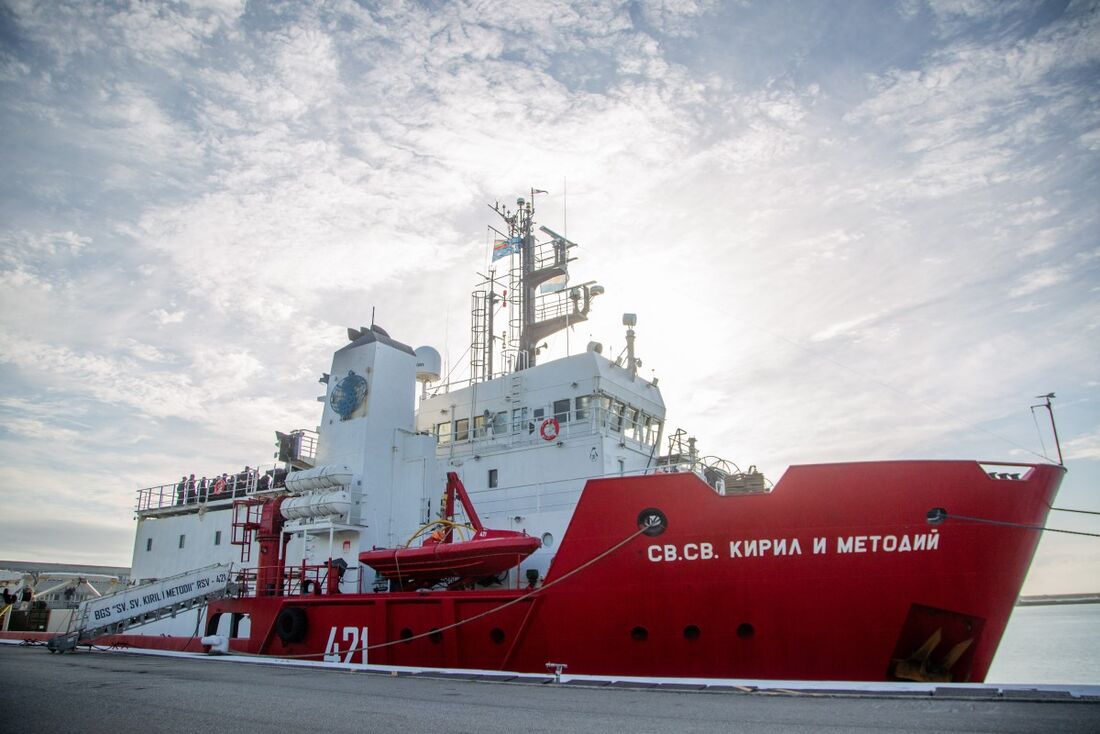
(549, 429)
(291, 624)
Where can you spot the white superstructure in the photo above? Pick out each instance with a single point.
(524, 438)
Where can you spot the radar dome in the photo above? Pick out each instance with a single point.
(428, 364)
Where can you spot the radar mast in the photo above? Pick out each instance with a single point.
(539, 300)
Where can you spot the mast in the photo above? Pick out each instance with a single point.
(535, 315)
(527, 346)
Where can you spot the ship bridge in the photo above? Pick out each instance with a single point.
(527, 441)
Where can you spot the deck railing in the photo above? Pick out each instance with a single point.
(186, 493)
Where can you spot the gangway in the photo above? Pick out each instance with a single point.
(113, 614)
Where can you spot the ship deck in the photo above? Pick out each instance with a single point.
(125, 691)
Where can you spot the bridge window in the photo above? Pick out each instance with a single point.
(632, 423)
(148, 544)
(652, 430)
(519, 419)
(182, 539)
(480, 421)
(561, 410)
(500, 424)
(462, 429)
(443, 431)
(617, 409)
(217, 537)
(581, 407)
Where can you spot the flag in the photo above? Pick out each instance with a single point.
(506, 247)
(555, 284)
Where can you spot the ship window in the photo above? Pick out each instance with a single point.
(496, 635)
(632, 423)
(462, 429)
(479, 426)
(691, 632)
(500, 424)
(519, 419)
(561, 410)
(654, 431)
(617, 415)
(443, 431)
(182, 539)
(581, 403)
(217, 537)
(148, 544)
(492, 478)
(539, 414)
(641, 634)
(605, 409)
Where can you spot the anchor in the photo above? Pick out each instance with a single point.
(920, 667)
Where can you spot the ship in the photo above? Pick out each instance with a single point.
(541, 513)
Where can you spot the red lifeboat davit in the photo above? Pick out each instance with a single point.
(439, 559)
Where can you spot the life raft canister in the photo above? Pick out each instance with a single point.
(549, 429)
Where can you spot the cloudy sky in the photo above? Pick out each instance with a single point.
(849, 230)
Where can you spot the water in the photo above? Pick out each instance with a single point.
(1058, 643)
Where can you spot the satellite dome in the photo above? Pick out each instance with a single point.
(429, 364)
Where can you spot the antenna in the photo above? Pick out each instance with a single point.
(535, 310)
(564, 207)
(372, 317)
(1050, 409)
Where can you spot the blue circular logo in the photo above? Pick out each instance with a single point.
(348, 395)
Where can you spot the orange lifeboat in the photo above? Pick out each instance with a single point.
(439, 559)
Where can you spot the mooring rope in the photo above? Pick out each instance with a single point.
(938, 515)
(1081, 512)
(467, 620)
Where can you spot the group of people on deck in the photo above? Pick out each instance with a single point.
(27, 594)
(189, 489)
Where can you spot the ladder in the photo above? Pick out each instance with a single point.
(113, 614)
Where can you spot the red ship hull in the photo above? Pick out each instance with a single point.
(835, 574)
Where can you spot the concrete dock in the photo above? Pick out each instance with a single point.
(127, 692)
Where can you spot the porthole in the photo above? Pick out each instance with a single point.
(406, 634)
(691, 632)
(640, 634)
(652, 522)
(496, 635)
(547, 540)
(435, 635)
(745, 631)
